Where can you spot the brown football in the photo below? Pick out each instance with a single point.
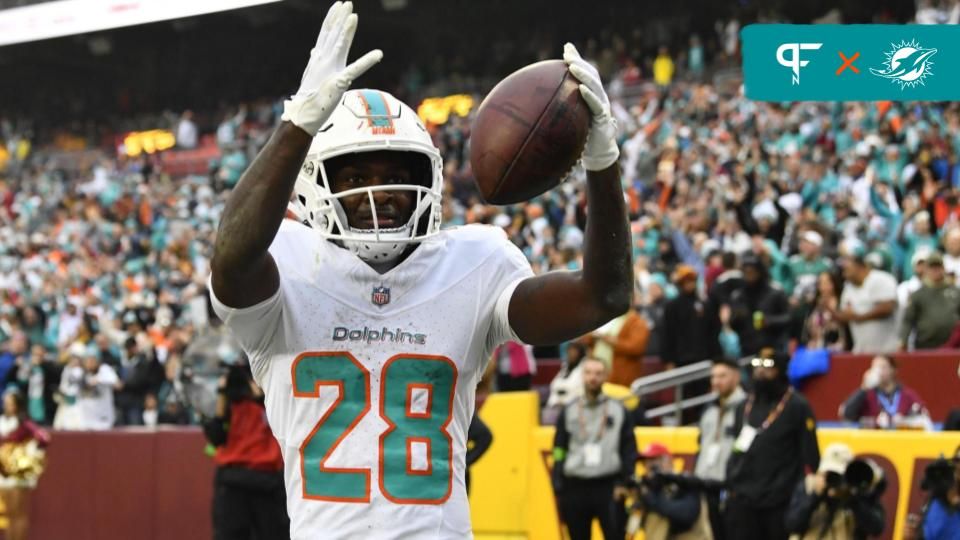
(528, 133)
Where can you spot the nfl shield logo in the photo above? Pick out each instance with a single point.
(380, 296)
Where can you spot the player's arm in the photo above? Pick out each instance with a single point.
(559, 306)
(243, 272)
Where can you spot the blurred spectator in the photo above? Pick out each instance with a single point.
(882, 402)
(142, 375)
(69, 415)
(16, 355)
(806, 266)
(907, 287)
(717, 435)
(187, 137)
(776, 444)
(622, 342)
(232, 165)
(39, 379)
(824, 505)
(95, 400)
(567, 385)
(688, 333)
(515, 366)
(228, 128)
(822, 330)
(729, 340)
(652, 310)
(663, 68)
(868, 304)
(933, 311)
(695, 57)
(759, 312)
(951, 244)
(594, 453)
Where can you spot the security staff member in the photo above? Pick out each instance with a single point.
(775, 447)
(594, 453)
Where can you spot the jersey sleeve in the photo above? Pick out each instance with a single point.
(254, 327)
(510, 269)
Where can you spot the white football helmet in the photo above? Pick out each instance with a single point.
(366, 121)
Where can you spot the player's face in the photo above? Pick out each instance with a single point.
(369, 169)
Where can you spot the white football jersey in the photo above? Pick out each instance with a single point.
(370, 378)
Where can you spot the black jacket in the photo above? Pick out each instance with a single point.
(746, 301)
(780, 456)
(689, 333)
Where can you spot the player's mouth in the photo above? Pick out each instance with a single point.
(385, 220)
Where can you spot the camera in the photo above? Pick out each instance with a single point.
(862, 477)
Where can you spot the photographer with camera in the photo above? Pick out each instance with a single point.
(667, 506)
(840, 501)
(249, 500)
(941, 514)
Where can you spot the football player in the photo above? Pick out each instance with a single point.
(366, 325)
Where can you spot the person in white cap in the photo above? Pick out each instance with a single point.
(825, 506)
(807, 265)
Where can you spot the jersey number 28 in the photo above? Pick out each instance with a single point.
(403, 377)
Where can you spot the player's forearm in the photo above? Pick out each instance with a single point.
(607, 266)
(258, 204)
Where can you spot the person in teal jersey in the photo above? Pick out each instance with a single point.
(805, 266)
(922, 236)
(890, 167)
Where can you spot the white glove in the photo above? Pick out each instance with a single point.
(601, 150)
(327, 75)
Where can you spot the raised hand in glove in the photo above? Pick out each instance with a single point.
(601, 150)
(327, 75)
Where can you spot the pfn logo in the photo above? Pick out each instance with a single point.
(794, 62)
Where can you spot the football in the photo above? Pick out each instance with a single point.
(528, 133)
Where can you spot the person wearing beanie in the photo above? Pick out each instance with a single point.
(775, 448)
(760, 313)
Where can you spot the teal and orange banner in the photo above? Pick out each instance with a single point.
(857, 62)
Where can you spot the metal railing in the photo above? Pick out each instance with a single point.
(675, 379)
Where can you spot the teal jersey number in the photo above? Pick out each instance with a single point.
(402, 376)
(425, 427)
(343, 371)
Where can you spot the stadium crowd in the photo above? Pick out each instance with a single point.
(828, 226)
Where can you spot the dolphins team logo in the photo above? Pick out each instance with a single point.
(907, 64)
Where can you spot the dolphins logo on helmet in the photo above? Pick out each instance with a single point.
(907, 64)
(366, 121)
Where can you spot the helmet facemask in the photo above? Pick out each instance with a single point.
(379, 244)
(370, 121)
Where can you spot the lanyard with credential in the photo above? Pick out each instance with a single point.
(774, 414)
(890, 405)
(583, 425)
